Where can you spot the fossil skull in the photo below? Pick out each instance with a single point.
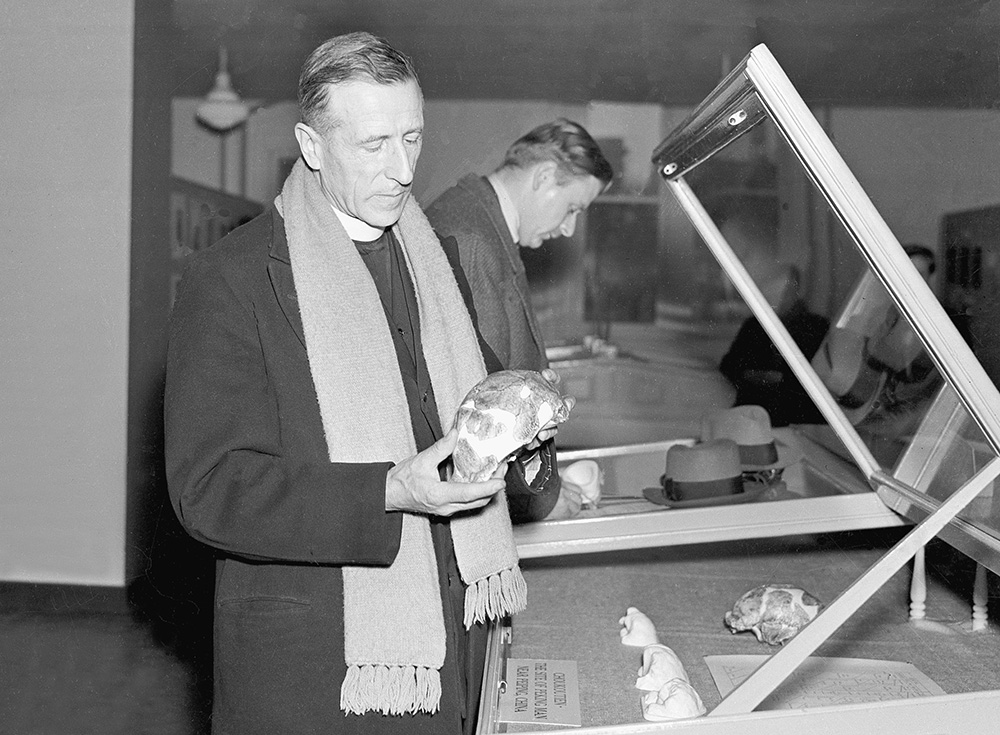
(501, 414)
(774, 612)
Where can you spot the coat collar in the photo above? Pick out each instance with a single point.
(279, 269)
(483, 191)
(279, 242)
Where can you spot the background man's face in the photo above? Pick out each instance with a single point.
(553, 209)
(368, 156)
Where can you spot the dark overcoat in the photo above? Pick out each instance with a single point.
(249, 474)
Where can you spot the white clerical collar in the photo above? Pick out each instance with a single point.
(507, 207)
(358, 229)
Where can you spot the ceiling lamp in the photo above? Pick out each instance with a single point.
(222, 109)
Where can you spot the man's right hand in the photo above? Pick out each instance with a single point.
(415, 486)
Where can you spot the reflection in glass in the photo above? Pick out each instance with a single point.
(841, 317)
(944, 452)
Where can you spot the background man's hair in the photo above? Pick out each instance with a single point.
(358, 56)
(564, 142)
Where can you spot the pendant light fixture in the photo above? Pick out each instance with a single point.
(222, 109)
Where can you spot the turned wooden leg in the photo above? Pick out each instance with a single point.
(918, 587)
(980, 613)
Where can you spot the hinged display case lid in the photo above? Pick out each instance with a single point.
(903, 395)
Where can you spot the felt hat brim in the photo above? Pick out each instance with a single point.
(751, 491)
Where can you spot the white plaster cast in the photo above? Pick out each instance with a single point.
(675, 700)
(659, 665)
(668, 691)
(637, 629)
(586, 474)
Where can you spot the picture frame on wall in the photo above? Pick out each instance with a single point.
(179, 226)
(200, 217)
(175, 281)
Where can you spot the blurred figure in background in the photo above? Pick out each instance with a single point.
(756, 368)
(548, 177)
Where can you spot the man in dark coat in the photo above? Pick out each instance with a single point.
(253, 468)
(548, 177)
(757, 369)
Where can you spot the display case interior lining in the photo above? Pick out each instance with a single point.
(575, 603)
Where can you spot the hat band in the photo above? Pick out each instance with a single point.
(678, 490)
(758, 453)
(862, 389)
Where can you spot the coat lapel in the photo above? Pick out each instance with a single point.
(279, 269)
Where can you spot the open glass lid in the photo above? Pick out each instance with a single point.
(881, 375)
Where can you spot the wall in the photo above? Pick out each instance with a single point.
(640, 128)
(461, 137)
(917, 165)
(217, 160)
(65, 155)
(149, 289)
(471, 136)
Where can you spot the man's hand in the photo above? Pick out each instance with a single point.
(550, 429)
(415, 486)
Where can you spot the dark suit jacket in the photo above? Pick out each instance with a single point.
(470, 213)
(249, 474)
(760, 373)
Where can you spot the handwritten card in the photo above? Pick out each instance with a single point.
(541, 692)
(822, 681)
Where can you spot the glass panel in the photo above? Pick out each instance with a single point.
(946, 450)
(841, 319)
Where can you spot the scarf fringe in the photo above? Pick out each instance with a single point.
(391, 690)
(495, 596)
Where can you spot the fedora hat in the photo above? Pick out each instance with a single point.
(750, 428)
(842, 363)
(706, 473)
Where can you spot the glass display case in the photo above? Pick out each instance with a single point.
(907, 440)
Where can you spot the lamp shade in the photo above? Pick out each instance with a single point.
(222, 109)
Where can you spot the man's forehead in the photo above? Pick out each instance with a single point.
(363, 103)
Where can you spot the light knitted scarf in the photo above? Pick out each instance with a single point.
(394, 635)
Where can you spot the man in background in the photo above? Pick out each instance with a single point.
(548, 177)
(757, 369)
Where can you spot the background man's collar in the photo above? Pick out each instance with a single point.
(507, 207)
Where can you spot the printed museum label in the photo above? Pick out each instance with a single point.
(541, 692)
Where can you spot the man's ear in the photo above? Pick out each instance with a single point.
(310, 144)
(543, 173)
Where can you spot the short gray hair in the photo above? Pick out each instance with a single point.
(358, 56)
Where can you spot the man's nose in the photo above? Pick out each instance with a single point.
(568, 226)
(401, 165)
